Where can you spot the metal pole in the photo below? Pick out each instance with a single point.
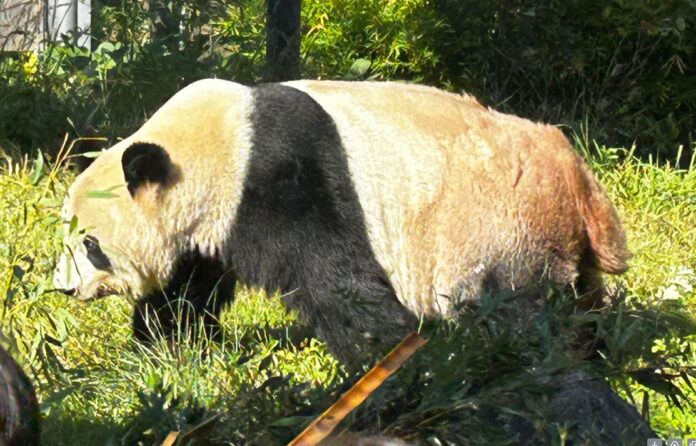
(62, 19)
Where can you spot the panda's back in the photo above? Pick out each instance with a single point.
(448, 186)
(438, 185)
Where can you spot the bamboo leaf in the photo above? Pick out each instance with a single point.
(94, 154)
(38, 170)
(101, 194)
(360, 67)
(106, 193)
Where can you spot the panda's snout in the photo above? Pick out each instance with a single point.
(60, 282)
(66, 276)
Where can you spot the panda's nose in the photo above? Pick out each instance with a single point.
(67, 292)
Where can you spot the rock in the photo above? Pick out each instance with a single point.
(586, 408)
(19, 415)
(594, 412)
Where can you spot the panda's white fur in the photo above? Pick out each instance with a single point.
(422, 159)
(452, 196)
(206, 128)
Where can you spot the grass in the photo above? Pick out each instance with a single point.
(261, 384)
(658, 205)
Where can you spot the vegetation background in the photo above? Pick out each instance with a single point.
(622, 73)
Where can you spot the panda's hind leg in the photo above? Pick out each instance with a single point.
(188, 305)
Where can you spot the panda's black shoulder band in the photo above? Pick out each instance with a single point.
(145, 163)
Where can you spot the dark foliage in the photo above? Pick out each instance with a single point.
(625, 70)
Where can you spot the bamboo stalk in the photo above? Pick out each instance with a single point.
(171, 438)
(323, 425)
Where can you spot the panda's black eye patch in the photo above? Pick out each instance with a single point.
(95, 253)
(91, 243)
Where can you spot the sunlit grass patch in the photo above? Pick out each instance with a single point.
(657, 202)
(265, 377)
(92, 379)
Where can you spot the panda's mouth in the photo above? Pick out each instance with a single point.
(103, 291)
(100, 292)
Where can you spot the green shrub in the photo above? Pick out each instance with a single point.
(149, 67)
(33, 107)
(623, 68)
(395, 37)
(131, 72)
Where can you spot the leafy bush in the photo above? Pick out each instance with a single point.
(132, 71)
(262, 382)
(33, 106)
(145, 67)
(628, 68)
(395, 37)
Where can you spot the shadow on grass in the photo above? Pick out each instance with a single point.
(62, 429)
(483, 379)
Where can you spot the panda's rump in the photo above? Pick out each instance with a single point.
(449, 188)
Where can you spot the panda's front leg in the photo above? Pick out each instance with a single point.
(192, 299)
(357, 314)
(152, 318)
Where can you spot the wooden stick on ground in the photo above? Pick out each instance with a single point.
(326, 422)
(171, 438)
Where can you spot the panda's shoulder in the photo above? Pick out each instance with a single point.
(208, 90)
(211, 86)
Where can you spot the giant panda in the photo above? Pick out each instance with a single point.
(369, 205)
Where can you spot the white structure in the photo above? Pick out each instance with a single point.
(26, 24)
(68, 19)
(21, 25)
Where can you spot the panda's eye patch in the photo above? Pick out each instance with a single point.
(91, 243)
(95, 254)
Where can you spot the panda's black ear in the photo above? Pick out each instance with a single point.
(146, 163)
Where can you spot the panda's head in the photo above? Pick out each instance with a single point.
(110, 220)
(155, 196)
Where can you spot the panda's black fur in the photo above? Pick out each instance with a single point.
(197, 291)
(300, 229)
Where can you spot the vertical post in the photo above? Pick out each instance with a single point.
(83, 23)
(62, 19)
(282, 40)
(69, 19)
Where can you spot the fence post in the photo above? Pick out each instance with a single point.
(69, 19)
